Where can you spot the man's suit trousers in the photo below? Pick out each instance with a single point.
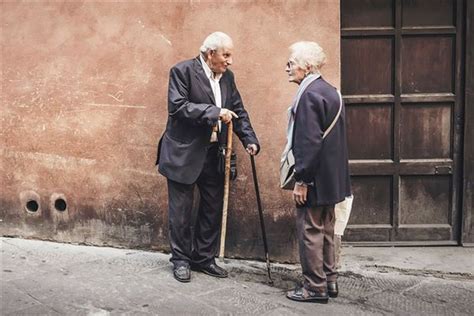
(201, 248)
(315, 230)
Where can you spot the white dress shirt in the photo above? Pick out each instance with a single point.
(214, 80)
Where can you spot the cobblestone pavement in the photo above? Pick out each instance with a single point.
(44, 278)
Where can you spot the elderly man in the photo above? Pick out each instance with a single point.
(202, 98)
(317, 138)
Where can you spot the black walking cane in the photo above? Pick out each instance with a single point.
(260, 213)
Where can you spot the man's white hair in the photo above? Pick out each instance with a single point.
(308, 54)
(215, 41)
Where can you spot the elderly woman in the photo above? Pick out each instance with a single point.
(317, 139)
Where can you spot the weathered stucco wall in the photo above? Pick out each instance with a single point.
(83, 104)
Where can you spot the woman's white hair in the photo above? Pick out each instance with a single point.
(215, 41)
(308, 54)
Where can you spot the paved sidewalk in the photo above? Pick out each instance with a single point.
(45, 278)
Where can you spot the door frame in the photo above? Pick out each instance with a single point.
(467, 233)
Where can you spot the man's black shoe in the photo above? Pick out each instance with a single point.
(333, 289)
(211, 269)
(182, 273)
(300, 294)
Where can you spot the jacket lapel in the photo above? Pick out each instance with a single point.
(202, 79)
(223, 85)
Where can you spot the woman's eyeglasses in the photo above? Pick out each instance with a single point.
(290, 64)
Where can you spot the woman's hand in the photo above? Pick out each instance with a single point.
(300, 193)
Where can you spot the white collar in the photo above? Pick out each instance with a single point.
(309, 76)
(208, 71)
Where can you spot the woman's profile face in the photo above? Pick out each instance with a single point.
(295, 73)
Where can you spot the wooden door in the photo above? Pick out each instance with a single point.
(402, 85)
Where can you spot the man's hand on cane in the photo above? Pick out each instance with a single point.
(227, 115)
(252, 149)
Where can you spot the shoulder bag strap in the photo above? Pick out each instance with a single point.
(337, 116)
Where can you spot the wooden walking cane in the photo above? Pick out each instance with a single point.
(228, 152)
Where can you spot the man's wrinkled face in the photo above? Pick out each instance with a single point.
(296, 74)
(220, 59)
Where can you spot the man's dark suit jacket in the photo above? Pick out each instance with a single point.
(191, 115)
(323, 162)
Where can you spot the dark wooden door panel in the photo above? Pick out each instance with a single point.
(426, 131)
(368, 65)
(366, 13)
(428, 13)
(373, 203)
(427, 64)
(359, 233)
(369, 129)
(401, 85)
(424, 234)
(425, 200)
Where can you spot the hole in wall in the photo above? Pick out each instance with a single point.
(60, 205)
(30, 201)
(32, 206)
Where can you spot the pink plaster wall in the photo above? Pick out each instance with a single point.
(83, 104)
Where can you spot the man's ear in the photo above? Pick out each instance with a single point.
(207, 55)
